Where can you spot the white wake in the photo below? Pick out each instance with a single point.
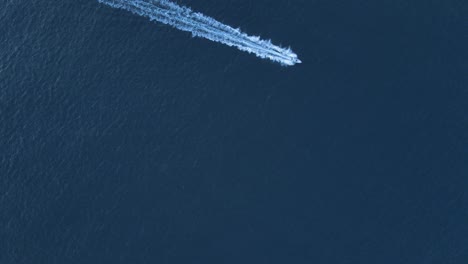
(199, 25)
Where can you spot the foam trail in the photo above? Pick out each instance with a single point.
(199, 25)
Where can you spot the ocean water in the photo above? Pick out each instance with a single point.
(127, 141)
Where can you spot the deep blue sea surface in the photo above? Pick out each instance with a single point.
(127, 141)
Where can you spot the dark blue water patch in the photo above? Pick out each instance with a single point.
(122, 140)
